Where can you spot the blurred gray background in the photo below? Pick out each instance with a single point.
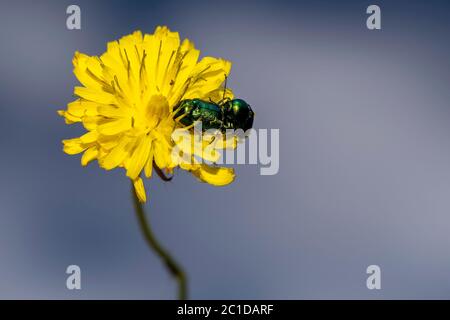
(364, 176)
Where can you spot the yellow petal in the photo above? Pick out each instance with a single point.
(149, 164)
(89, 137)
(217, 176)
(140, 189)
(82, 108)
(161, 50)
(115, 126)
(162, 151)
(111, 111)
(185, 62)
(92, 122)
(89, 155)
(88, 70)
(69, 118)
(189, 144)
(73, 146)
(115, 65)
(94, 95)
(117, 155)
(139, 157)
(108, 142)
(131, 52)
(207, 76)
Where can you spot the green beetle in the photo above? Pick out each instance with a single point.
(227, 114)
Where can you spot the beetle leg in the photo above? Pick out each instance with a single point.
(189, 126)
(180, 117)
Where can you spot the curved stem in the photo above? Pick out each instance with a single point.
(175, 269)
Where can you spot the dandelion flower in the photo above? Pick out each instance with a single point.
(127, 99)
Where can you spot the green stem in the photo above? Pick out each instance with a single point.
(175, 269)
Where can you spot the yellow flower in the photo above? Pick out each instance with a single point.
(127, 99)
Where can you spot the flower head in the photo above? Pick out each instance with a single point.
(127, 99)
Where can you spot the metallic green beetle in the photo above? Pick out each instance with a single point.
(227, 114)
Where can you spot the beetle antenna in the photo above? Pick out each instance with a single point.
(225, 88)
